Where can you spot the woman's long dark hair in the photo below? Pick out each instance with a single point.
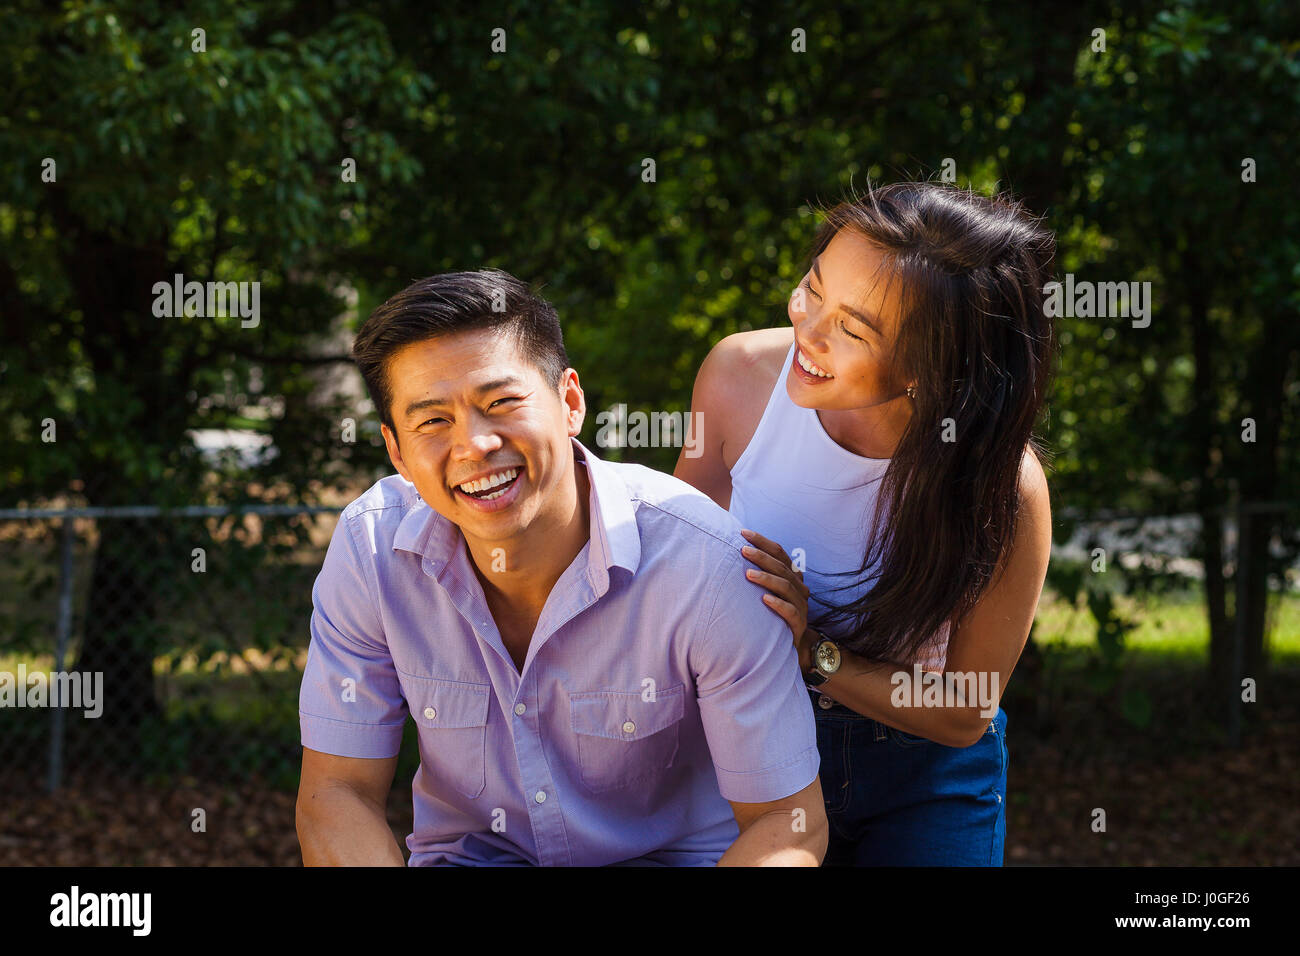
(974, 338)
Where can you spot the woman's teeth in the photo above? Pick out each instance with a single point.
(476, 488)
(809, 367)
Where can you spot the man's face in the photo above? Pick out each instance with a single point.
(470, 410)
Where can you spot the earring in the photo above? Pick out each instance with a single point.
(911, 391)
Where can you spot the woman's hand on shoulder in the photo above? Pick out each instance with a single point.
(787, 594)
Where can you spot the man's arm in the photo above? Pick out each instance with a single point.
(759, 724)
(351, 710)
(340, 815)
(789, 832)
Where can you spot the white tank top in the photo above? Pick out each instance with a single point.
(796, 485)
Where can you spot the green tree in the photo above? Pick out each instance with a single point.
(1185, 134)
(136, 148)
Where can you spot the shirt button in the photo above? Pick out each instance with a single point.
(540, 796)
(519, 709)
(628, 727)
(430, 713)
(825, 703)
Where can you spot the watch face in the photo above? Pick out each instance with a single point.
(828, 657)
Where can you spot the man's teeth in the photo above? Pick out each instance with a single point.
(491, 481)
(808, 366)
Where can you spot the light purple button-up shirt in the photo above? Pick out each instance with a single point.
(657, 685)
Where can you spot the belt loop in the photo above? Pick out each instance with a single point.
(882, 732)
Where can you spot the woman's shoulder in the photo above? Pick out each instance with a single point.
(1033, 483)
(736, 379)
(742, 360)
(1035, 508)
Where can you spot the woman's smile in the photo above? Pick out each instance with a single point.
(810, 371)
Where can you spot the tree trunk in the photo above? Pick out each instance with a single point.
(113, 284)
(1265, 389)
(1209, 494)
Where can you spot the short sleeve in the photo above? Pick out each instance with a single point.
(756, 711)
(351, 702)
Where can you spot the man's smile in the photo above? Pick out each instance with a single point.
(492, 490)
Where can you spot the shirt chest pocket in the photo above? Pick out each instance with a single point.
(452, 720)
(624, 738)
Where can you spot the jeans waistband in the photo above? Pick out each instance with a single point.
(878, 730)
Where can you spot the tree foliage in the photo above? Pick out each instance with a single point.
(225, 163)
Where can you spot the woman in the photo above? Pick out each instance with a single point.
(882, 448)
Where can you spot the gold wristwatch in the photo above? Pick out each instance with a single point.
(825, 655)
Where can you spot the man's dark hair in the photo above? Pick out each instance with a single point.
(456, 302)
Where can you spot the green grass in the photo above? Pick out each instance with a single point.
(1171, 626)
(244, 719)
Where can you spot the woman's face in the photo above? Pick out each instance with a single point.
(844, 328)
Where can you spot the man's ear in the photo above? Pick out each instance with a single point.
(394, 451)
(575, 403)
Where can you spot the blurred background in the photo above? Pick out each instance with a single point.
(168, 483)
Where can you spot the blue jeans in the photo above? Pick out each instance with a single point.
(895, 799)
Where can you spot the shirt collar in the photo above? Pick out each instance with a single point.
(615, 539)
(614, 533)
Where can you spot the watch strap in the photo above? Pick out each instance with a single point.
(816, 677)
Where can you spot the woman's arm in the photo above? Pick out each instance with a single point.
(731, 391)
(706, 469)
(987, 643)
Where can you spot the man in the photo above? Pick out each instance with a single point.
(592, 678)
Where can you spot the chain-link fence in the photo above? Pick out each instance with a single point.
(137, 642)
(150, 644)
(182, 635)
